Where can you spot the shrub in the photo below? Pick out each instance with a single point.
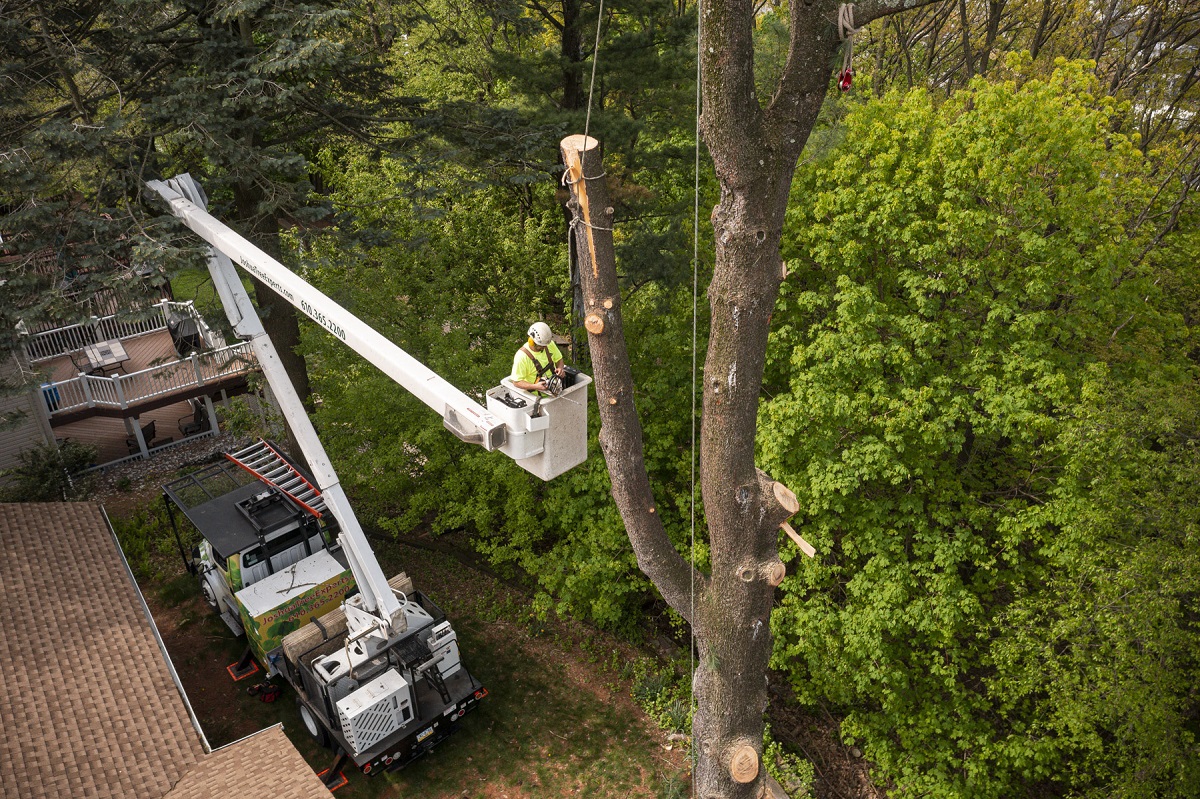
(51, 474)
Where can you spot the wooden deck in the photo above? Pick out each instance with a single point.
(156, 383)
(153, 377)
(108, 435)
(150, 349)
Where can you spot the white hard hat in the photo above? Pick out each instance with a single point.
(539, 332)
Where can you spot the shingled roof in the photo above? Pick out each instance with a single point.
(266, 762)
(90, 707)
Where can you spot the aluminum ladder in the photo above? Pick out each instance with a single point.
(264, 462)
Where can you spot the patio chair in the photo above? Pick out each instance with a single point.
(85, 367)
(147, 435)
(196, 422)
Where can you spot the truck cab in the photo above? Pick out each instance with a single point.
(267, 563)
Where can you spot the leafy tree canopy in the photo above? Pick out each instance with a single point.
(958, 269)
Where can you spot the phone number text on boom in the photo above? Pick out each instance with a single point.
(322, 320)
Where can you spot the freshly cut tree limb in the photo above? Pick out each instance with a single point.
(621, 431)
(805, 547)
(743, 764)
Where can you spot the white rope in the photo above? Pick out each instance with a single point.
(578, 220)
(591, 86)
(846, 31)
(695, 294)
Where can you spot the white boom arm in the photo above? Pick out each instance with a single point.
(545, 445)
(462, 416)
(378, 607)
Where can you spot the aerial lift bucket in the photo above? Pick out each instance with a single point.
(546, 435)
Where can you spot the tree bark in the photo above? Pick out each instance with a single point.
(965, 22)
(995, 11)
(621, 430)
(278, 315)
(754, 150)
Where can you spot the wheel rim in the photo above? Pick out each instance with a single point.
(207, 592)
(313, 729)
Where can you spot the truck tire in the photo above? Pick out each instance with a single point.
(315, 728)
(210, 599)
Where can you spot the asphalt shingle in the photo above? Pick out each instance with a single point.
(89, 707)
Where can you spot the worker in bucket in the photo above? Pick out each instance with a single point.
(538, 366)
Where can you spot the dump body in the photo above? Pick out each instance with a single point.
(287, 600)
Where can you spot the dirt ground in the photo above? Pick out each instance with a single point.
(578, 679)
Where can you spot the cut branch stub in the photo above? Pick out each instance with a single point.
(743, 765)
(779, 503)
(594, 323)
(785, 497)
(776, 571)
(573, 149)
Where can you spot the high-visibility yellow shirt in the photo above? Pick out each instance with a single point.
(525, 369)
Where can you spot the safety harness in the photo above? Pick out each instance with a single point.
(541, 369)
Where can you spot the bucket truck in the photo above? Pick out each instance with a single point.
(377, 672)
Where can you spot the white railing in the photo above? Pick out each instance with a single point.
(72, 338)
(137, 456)
(212, 339)
(122, 391)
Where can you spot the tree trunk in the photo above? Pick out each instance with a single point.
(754, 151)
(730, 615)
(571, 48)
(278, 315)
(965, 22)
(995, 11)
(573, 99)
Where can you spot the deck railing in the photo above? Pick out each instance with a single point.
(137, 456)
(123, 391)
(72, 338)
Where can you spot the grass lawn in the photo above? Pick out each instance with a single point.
(559, 720)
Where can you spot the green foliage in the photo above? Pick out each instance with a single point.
(793, 773)
(1106, 649)
(457, 289)
(51, 473)
(504, 82)
(664, 694)
(956, 269)
(100, 96)
(248, 416)
(148, 541)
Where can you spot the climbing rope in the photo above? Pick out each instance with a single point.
(846, 31)
(695, 295)
(587, 121)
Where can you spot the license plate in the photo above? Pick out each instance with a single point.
(422, 736)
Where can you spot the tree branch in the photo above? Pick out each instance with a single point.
(731, 114)
(621, 430)
(813, 41)
(867, 12)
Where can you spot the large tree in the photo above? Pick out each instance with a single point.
(755, 147)
(946, 416)
(100, 96)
